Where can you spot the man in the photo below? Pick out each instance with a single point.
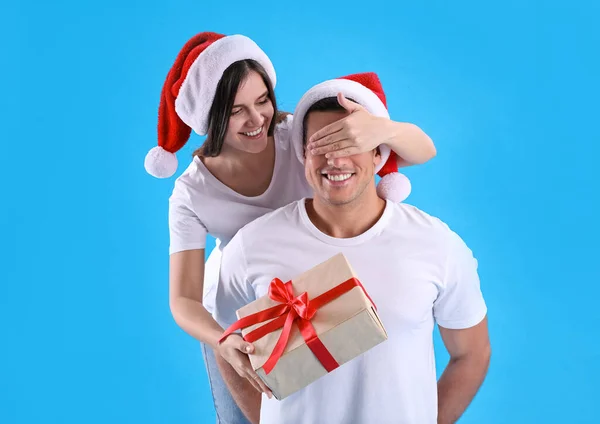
(417, 271)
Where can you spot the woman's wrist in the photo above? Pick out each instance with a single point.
(214, 337)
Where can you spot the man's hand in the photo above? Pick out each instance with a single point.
(235, 351)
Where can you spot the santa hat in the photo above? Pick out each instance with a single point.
(189, 91)
(366, 90)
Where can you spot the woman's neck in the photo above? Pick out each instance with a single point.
(249, 174)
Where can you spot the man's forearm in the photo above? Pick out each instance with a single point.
(458, 385)
(245, 395)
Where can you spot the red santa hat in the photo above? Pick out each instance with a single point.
(189, 91)
(366, 90)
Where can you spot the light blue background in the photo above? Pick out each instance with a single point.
(508, 91)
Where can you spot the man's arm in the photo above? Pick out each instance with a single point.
(243, 392)
(461, 314)
(470, 353)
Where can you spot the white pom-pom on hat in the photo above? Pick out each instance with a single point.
(395, 187)
(159, 163)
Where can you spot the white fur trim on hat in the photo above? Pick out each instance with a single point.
(197, 91)
(350, 89)
(395, 187)
(159, 163)
(283, 130)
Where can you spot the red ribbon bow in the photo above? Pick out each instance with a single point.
(283, 293)
(292, 309)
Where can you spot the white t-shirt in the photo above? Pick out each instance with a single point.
(416, 270)
(201, 205)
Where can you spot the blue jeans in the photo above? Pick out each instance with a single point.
(227, 410)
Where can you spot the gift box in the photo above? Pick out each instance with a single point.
(309, 326)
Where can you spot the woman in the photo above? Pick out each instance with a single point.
(222, 87)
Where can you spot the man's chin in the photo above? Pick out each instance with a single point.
(337, 199)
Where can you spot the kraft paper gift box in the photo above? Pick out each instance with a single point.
(343, 324)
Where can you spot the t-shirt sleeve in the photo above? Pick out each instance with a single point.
(234, 290)
(460, 302)
(186, 231)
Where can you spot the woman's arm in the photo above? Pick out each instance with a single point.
(186, 283)
(410, 143)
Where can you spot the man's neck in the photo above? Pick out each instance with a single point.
(349, 220)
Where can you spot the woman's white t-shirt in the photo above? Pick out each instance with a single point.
(202, 205)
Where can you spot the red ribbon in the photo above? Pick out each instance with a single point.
(292, 309)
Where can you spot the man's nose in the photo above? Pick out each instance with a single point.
(338, 162)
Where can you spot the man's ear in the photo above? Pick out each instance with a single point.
(376, 157)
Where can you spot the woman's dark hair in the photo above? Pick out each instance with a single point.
(328, 104)
(220, 111)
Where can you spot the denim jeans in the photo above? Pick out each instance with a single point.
(227, 410)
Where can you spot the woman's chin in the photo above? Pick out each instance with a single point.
(256, 146)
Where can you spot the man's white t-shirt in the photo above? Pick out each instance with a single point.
(416, 270)
(202, 205)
